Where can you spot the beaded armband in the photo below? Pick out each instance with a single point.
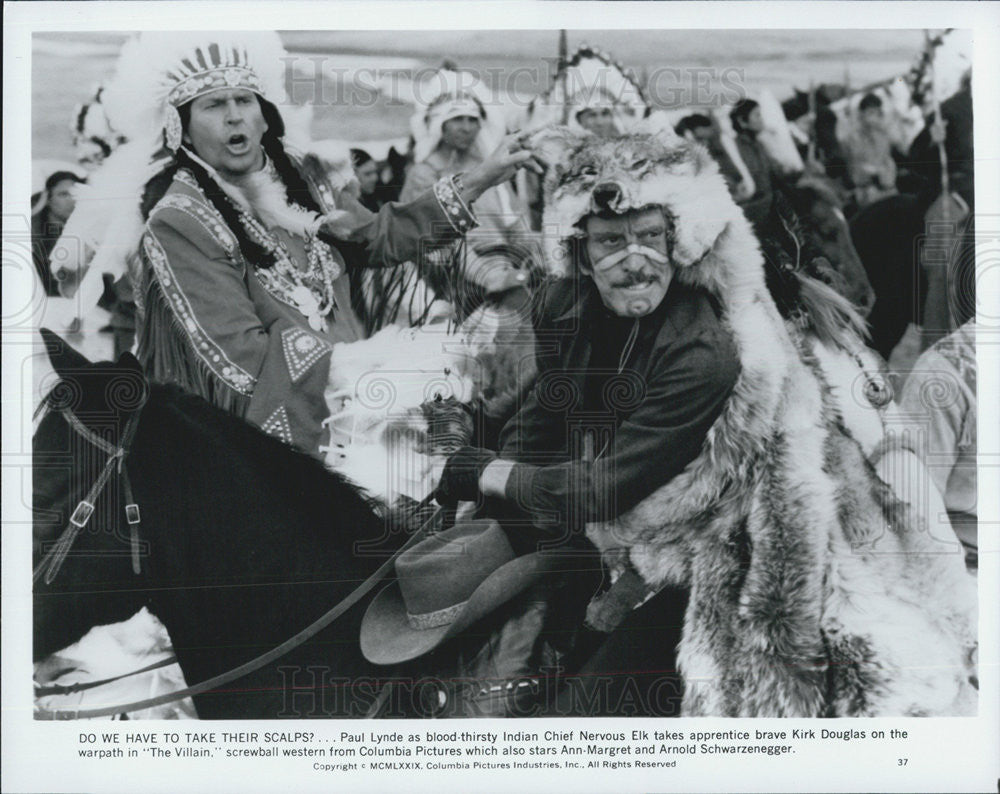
(459, 187)
(447, 193)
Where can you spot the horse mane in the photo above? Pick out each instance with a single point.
(289, 466)
(812, 189)
(830, 316)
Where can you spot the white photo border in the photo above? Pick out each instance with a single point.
(961, 754)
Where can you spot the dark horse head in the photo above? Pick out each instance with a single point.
(824, 295)
(65, 467)
(829, 251)
(243, 540)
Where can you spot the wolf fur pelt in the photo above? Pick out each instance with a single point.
(813, 591)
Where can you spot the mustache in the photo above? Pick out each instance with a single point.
(640, 277)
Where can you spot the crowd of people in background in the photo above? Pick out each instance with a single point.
(865, 165)
(886, 193)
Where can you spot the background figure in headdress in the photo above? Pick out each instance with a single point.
(457, 129)
(62, 255)
(93, 136)
(94, 139)
(592, 93)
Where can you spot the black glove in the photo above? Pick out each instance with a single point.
(460, 478)
(608, 610)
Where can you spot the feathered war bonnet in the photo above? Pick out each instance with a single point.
(586, 175)
(590, 80)
(157, 72)
(451, 93)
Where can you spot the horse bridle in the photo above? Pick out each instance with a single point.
(54, 558)
(287, 646)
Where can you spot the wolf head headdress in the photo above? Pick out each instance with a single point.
(586, 174)
(781, 526)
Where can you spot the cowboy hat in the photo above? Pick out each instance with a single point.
(445, 584)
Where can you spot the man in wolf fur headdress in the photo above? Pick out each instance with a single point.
(724, 467)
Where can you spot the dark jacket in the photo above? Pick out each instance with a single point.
(650, 421)
(45, 232)
(925, 159)
(758, 163)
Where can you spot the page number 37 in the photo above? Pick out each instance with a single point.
(902, 761)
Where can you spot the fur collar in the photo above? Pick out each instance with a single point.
(262, 195)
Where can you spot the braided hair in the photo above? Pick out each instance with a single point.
(296, 188)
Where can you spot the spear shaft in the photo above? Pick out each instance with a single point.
(811, 151)
(563, 74)
(937, 315)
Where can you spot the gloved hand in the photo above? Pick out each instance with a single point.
(607, 611)
(460, 479)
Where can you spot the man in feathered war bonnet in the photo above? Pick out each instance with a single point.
(456, 130)
(246, 252)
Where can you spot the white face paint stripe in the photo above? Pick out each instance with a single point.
(611, 260)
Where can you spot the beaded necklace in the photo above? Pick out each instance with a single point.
(309, 291)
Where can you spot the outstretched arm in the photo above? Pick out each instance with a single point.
(684, 396)
(441, 213)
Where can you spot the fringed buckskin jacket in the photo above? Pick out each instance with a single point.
(235, 334)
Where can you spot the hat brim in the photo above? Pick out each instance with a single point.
(388, 638)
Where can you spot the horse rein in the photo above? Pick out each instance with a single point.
(254, 664)
(83, 686)
(56, 555)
